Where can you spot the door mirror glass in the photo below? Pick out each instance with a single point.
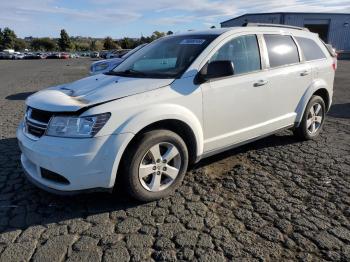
(215, 69)
(218, 69)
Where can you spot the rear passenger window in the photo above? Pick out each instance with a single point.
(243, 51)
(282, 50)
(310, 49)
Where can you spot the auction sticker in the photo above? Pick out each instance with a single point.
(192, 41)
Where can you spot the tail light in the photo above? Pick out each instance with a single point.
(334, 65)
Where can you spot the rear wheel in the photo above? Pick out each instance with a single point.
(313, 119)
(155, 165)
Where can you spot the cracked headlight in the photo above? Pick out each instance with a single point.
(75, 127)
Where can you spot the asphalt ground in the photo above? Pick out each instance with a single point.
(275, 199)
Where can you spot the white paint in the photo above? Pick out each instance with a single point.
(221, 112)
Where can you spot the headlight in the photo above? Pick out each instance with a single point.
(73, 126)
(100, 67)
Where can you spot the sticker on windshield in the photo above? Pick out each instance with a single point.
(192, 41)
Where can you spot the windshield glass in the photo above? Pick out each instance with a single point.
(168, 57)
(133, 51)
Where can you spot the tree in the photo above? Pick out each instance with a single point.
(109, 44)
(7, 38)
(81, 46)
(157, 34)
(127, 43)
(43, 44)
(212, 27)
(96, 45)
(20, 44)
(64, 41)
(169, 33)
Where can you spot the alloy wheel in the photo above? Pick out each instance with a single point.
(159, 167)
(314, 118)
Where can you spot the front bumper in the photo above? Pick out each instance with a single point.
(88, 164)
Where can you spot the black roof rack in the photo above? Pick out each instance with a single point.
(276, 25)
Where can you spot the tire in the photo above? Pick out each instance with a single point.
(143, 158)
(305, 131)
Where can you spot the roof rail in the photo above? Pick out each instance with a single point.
(276, 25)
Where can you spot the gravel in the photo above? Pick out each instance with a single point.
(275, 199)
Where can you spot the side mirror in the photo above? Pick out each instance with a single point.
(215, 69)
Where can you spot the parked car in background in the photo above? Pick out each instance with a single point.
(103, 54)
(181, 98)
(64, 56)
(18, 56)
(95, 54)
(37, 55)
(103, 66)
(53, 56)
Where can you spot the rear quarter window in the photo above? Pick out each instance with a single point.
(282, 50)
(310, 48)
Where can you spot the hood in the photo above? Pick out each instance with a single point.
(90, 91)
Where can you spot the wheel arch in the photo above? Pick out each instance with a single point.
(318, 87)
(174, 118)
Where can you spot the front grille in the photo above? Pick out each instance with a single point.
(36, 122)
(40, 115)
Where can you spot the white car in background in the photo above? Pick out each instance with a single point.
(177, 100)
(106, 65)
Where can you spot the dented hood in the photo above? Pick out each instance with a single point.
(90, 91)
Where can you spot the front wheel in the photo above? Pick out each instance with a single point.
(155, 165)
(313, 119)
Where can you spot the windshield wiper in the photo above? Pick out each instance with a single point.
(132, 71)
(125, 73)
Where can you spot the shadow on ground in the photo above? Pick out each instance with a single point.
(17, 194)
(340, 111)
(19, 96)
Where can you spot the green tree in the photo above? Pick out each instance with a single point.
(109, 44)
(43, 44)
(64, 41)
(96, 45)
(93, 45)
(7, 38)
(170, 33)
(157, 34)
(81, 46)
(20, 44)
(127, 43)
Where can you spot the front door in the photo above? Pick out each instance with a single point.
(236, 108)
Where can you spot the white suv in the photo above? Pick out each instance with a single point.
(177, 100)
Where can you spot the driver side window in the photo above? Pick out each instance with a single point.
(243, 51)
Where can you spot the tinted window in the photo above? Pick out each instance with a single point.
(243, 51)
(281, 49)
(310, 49)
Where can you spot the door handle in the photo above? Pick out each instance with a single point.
(261, 83)
(305, 73)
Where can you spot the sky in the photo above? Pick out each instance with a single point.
(133, 18)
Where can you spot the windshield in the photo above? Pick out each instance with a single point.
(133, 51)
(168, 57)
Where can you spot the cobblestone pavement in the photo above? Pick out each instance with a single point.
(275, 199)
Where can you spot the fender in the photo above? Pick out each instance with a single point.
(149, 116)
(164, 112)
(314, 86)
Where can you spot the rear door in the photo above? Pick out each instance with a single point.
(288, 77)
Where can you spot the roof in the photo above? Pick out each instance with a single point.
(284, 13)
(214, 31)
